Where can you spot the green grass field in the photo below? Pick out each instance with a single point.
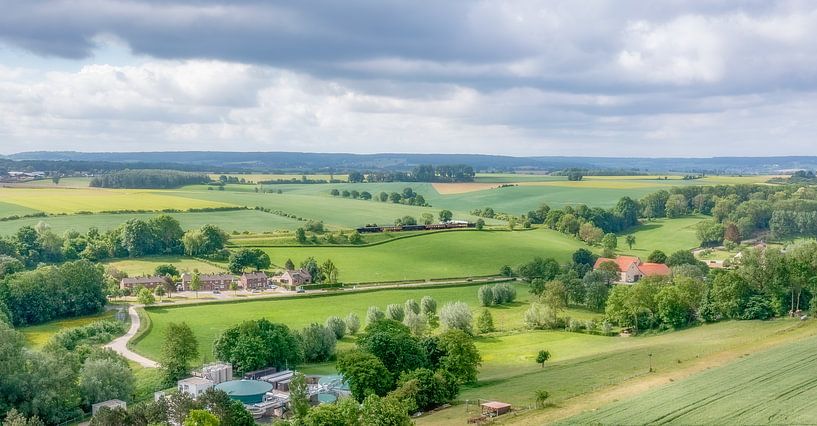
(239, 220)
(38, 335)
(72, 200)
(209, 320)
(436, 255)
(146, 265)
(582, 364)
(667, 235)
(260, 177)
(776, 386)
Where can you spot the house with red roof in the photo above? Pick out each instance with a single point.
(633, 269)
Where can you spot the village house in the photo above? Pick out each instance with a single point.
(292, 279)
(254, 281)
(632, 269)
(209, 282)
(146, 282)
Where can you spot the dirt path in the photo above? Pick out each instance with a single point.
(594, 400)
(120, 344)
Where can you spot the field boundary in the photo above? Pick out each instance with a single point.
(145, 326)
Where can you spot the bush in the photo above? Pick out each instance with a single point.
(374, 314)
(428, 305)
(485, 294)
(415, 322)
(317, 343)
(395, 312)
(412, 305)
(456, 315)
(540, 317)
(145, 297)
(504, 293)
(353, 323)
(337, 326)
(485, 322)
(574, 325)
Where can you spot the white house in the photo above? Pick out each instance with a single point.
(194, 386)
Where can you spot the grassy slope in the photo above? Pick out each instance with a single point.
(440, 255)
(38, 335)
(668, 235)
(146, 266)
(209, 320)
(771, 387)
(8, 209)
(583, 364)
(242, 220)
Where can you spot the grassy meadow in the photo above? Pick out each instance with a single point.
(767, 387)
(436, 255)
(38, 335)
(667, 235)
(146, 265)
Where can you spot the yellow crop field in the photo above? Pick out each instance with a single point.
(55, 200)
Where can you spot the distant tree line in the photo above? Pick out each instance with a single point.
(421, 173)
(149, 179)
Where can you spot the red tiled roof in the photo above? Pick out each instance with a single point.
(623, 262)
(650, 269)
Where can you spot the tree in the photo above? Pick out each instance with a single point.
(195, 283)
(160, 291)
(590, 233)
(374, 314)
(630, 240)
(166, 270)
(179, 349)
(317, 343)
(289, 265)
(252, 258)
(353, 323)
(731, 233)
(541, 396)
(555, 296)
(456, 315)
(365, 373)
(480, 224)
(609, 242)
(104, 379)
(234, 288)
(330, 271)
(445, 215)
(546, 269)
(201, 418)
(485, 322)
(710, 232)
(461, 357)
(676, 206)
(337, 326)
(388, 411)
(393, 344)
(228, 411)
(15, 418)
(657, 256)
(415, 322)
(300, 235)
(299, 396)
(542, 357)
(145, 297)
(428, 306)
(511, 223)
(258, 344)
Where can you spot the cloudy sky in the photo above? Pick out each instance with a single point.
(590, 77)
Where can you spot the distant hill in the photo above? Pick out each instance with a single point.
(340, 162)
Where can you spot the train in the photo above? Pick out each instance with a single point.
(400, 228)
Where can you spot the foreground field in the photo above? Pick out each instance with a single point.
(771, 387)
(667, 235)
(38, 335)
(438, 255)
(586, 370)
(146, 265)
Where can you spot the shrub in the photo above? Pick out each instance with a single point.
(456, 315)
(415, 322)
(541, 317)
(485, 322)
(337, 326)
(428, 305)
(374, 314)
(395, 312)
(485, 294)
(353, 323)
(317, 342)
(504, 293)
(412, 305)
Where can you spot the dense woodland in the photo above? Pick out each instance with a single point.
(422, 173)
(148, 179)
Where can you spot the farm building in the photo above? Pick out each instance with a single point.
(209, 282)
(632, 269)
(146, 282)
(495, 408)
(194, 386)
(291, 279)
(254, 280)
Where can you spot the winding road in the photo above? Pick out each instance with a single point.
(120, 344)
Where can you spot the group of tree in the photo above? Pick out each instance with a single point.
(159, 235)
(499, 294)
(419, 317)
(416, 373)
(421, 173)
(148, 179)
(407, 196)
(354, 194)
(255, 259)
(64, 379)
(51, 292)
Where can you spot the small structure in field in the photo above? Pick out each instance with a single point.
(495, 408)
(111, 404)
(194, 386)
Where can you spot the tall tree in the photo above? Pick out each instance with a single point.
(179, 349)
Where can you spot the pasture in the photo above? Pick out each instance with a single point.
(208, 320)
(238, 220)
(435, 255)
(146, 265)
(72, 200)
(585, 365)
(38, 335)
(775, 386)
(667, 235)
